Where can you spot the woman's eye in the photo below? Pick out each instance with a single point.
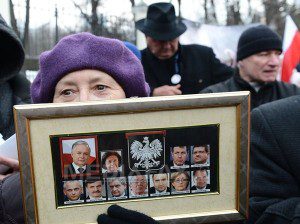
(101, 87)
(66, 92)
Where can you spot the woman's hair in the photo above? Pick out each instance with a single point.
(87, 51)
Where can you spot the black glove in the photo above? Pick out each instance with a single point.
(119, 215)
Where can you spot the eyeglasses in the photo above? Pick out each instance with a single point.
(181, 180)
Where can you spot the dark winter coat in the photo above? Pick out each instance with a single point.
(11, 208)
(267, 93)
(275, 163)
(14, 87)
(198, 67)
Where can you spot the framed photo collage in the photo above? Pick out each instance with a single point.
(125, 165)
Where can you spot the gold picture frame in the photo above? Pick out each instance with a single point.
(36, 124)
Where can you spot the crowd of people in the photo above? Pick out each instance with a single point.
(83, 67)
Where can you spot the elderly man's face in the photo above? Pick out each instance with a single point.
(160, 181)
(260, 67)
(112, 164)
(87, 85)
(116, 188)
(95, 189)
(138, 185)
(180, 183)
(200, 179)
(200, 156)
(73, 190)
(80, 155)
(162, 49)
(179, 155)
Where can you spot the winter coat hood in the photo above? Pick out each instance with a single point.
(11, 52)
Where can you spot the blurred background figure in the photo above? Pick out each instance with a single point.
(133, 49)
(172, 68)
(14, 87)
(258, 65)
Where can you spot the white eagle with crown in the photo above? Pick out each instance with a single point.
(146, 154)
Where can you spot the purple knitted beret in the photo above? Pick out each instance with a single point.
(86, 51)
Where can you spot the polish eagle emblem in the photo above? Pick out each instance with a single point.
(147, 153)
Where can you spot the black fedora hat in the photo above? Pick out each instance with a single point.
(161, 22)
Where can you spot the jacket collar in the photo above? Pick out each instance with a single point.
(245, 85)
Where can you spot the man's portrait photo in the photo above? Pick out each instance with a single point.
(180, 157)
(200, 181)
(159, 184)
(95, 190)
(138, 186)
(200, 156)
(111, 163)
(180, 182)
(79, 156)
(73, 191)
(117, 188)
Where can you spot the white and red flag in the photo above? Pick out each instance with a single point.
(291, 51)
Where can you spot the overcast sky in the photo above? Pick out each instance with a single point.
(191, 9)
(42, 10)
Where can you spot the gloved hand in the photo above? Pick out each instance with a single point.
(118, 215)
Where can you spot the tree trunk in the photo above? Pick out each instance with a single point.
(214, 16)
(25, 39)
(13, 20)
(94, 18)
(179, 8)
(205, 11)
(274, 18)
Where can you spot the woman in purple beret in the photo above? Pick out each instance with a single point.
(81, 67)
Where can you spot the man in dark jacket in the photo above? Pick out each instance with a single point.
(14, 87)
(275, 167)
(171, 68)
(258, 64)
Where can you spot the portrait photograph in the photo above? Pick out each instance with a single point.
(112, 163)
(180, 182)
(79, 156)
(179, 157)
(73, 192)
(159, 184)
(200, 180)
(95, 190)
(200, 156)
(138, 186)
(117, 188)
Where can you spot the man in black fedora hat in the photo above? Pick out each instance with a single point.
(172, 68)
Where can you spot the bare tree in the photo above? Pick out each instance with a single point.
(213, 10)
(233, 12)
(205, 11)
(24, 38)
(274, 13)
(132, 3)
(103, 25)
(209, 11)
(92, 19)
(179, 8)
(13, 19)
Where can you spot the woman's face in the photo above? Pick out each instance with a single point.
(87, 85)
(180, 183)
(112, 164)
